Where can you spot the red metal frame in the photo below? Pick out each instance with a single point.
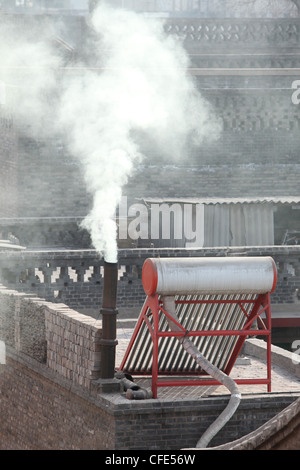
(260, 305)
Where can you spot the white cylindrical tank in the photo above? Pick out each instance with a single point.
(172, 276)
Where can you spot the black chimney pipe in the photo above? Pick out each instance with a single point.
(109, 320)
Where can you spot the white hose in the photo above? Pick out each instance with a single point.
(213, 371)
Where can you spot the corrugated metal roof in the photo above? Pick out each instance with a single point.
(225, 200)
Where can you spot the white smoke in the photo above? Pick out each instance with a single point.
(141, 85)
(29, 70)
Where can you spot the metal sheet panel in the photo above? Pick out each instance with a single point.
(226, 200)
(216, 225)
(231, 221)
(238, 225)
(259, 224)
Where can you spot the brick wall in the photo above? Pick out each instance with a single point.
(22, 324)
(73, 348)
(256, 155)
(181, 423)
(42, 411)
(50, 180)
(53, 334)
(50, 393)
(8, 163)
(282, 432)
(74, 277)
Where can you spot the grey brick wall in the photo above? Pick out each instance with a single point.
(73, 348)
(50, 400)
(256, 155)
(75, 278)
(52, 334)
(42, 411)
(8, 162)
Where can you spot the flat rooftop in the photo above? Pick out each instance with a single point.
(250, 364)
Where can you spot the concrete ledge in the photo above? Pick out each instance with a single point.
(279, 357)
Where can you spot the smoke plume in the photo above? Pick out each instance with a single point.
(143, 85)
(29, 72)
(140, 83)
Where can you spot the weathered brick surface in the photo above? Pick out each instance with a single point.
(73, 348)
(9, 164)
(257, 153)
(67, 341)
(40, 411)
(49, 398)
(74, 277)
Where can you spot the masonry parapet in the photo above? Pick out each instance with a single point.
(75, 277)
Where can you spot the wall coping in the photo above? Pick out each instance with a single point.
(152, 252)
(267, 431)
(279, 356)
